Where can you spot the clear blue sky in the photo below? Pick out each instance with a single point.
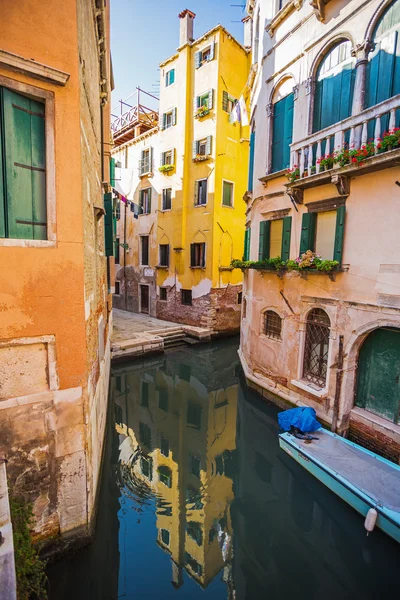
(145, 32)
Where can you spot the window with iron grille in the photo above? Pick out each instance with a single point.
(316, 347)
(272, 324)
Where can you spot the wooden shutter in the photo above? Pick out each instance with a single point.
(339, 234)
(149, 201)
(174, 116)
(196, 193)
(197, 60)
(247, 239)
(195, 148)
(193, 255)
(25, 167)
(263, 241)
(141, 163)
(162, 159)
(112, 172)
(196, 104)
(210, 99)
(150, 159)
(172, 77)
(286, 234)
(204, 186)
(282, 133)
(227, 189)
(209, 145)
(307, 238)
(212, 51)
(140, 202)
(167, 257)
(108, 225)
(251, 160)
(225, 99)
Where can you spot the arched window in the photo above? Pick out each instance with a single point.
(383, 71)
(334, 86)
(282, 126)
(272, 324)
(316, 347)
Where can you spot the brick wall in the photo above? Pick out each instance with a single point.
(374, 440)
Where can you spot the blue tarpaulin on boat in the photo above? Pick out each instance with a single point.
(302, 418)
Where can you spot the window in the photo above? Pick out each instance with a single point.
(227, 193)
(322, 229)
(144, 395)
(144, 250)
(247, 234)
(194, 498)
(167, 199)
(193, 565)
(204, 101)
(282, 132)
(163, 293)
(228, 102)
(195, 532)
(240, 297)
(334, 87)
(383, 70)
(198, 255)
(168, 119)
(186, 297)
(116, 254)
(244, 309)
(274, 238)
(164, 509)
(200, 192)
(23, 210)
(146, 161)
(164, 255)
(204, 56)
(167, 157)
(202, 148)
(316, 347)
(272, 324)
(164, 447)
(194, 415)
(170, 77)
(163, 400)
(117, 288)
(145, 201)
(145, 435)
(146, 467)
(195, 466)
(165, 536)
(165, 475)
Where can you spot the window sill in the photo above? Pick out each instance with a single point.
(162, 266)
(200, 205)
(274, 175)
(319, 393)
(197, 267)
(12, 242)
(270, 337)
(147, 174)
(227, 206)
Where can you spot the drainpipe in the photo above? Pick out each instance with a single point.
(339, 376)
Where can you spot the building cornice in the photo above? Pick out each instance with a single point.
(135, 140)
(32, 68)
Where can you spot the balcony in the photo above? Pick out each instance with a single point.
(354, 133)
(138, 119)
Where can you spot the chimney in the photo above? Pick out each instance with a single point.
(186, 27)
(248, 31)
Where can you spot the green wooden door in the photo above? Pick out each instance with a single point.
(282, 133)
(378, 387)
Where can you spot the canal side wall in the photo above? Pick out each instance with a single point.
(8, 587)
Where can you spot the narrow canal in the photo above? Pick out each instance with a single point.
(198, 501)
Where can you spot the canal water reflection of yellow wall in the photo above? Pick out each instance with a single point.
(178, 439)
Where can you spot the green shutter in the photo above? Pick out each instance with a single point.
(263, 240)
(112, 171)
(197, 60)
(172, 77)
(247, 235)
(251, 160)
(2, 188)
(209, 145)
(162, 159)
(307, 238)
(210, 99)
(149, 201)
(227, 189)
(174, 116)
(108, 225)
(282, 133)
(196, 104)
(25, 166)
(225, 99)
(287, 229)
(339, 234)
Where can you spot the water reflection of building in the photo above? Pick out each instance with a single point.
(177, 425)
(292, 537)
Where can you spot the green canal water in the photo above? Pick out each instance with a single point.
(198, 501)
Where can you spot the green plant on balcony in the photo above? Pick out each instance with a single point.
(293, 174)
(326, 162)
(166, 168)
(308, 261)
(346, 156)
(200, 157)
(202, 111)
(389, 140)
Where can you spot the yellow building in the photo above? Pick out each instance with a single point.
(178, 442)
(196, 173)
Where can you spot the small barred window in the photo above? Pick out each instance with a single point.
(272, 324)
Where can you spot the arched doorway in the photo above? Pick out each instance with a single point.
(378, 374)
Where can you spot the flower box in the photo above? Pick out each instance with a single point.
(166, 168)
(201, 112)
(200, 157)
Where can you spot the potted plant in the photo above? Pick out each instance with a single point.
(202, 111)
(293, 174)
(389, 140)
(166, 168)
(200, 157)
(326, 162)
